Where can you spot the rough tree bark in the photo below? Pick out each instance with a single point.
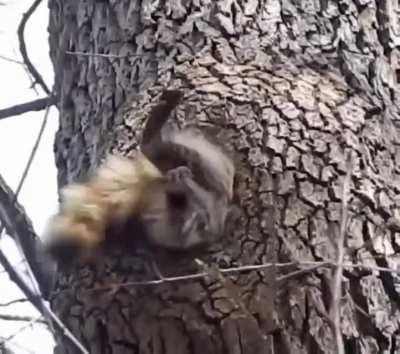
(292, 87)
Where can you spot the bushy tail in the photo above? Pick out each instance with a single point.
(112, 195)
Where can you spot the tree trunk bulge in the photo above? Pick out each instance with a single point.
(291, 87)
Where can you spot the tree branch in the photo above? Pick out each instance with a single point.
(12, 302)
(16, 278)
(35, 105)
(14, 219)
(5, 348)
(16, 222)
(20, 228)
(22, 47)
(40, 305)
(5, 317)
(5, 340)
(11, 60)
(312, 265)
(103, 55)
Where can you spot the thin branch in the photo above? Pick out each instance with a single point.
(66, 332)
(22, 47)
(301, 272)
(193, 276)
(29, 76)
(5, 317)
(23, 328)
(337, 285)
(35, 299)
(102, 55)
(16, 264)
(12, 302)
(38, 302)
(6, 208)
(11, 60)
(367, 267)
(19, 226)
(8, 350)
(312, 265)
(35, 105)
(33, 153)
(39, 267)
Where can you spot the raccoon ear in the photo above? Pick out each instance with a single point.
(158, 117)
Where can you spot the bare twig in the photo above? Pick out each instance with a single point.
(33, 294)
(35, 105)
(38, 265)
(35, 299)
(40, 305)
(102, 55)
(30, 77)
(11, 60)
(23, 328)
(337, 285)
(67, 333)
(7, 350)
(232, 290)
(5, 317)
(33, 152)
(12, 302)
(22, 47)
(311, 265)
(16, 264)
(196, 275)
(301, 272)
(367, 267)
(18, 225)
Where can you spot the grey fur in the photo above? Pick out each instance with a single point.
(207, 188)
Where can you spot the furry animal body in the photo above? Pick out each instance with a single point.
(113, 195)
(174, 194)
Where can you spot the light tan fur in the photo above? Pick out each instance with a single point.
(116, 192)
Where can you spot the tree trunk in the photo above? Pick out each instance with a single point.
(293, 88)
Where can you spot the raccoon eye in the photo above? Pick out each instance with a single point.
(177, 199)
